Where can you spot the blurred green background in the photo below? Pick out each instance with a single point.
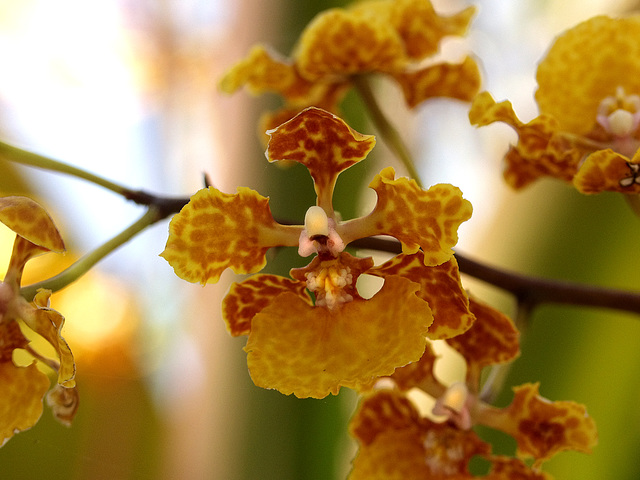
(172, 398)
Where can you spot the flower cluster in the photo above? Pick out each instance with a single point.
(587, 132)
(396, 441)
(312, 333)
(391, 37)
(24, 387)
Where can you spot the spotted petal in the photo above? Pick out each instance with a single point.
(249, 297)
(419, 374)
(323, 143)
(216, 231)
(586, 64)
(313, 351)
(380, 411)
(431, 450)
(48, 323)
(32, 222)
(420, 219)
(340, 42)
(543, 428)
(540, 151)
(508, 468)
(440, 286)
(421, 28)
(452, 80)
(492, 339)
(606, 170)
(22, 391)
(263, 71)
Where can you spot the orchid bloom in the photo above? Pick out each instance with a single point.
(589, 100)
(396, 441)
(313, 333)
(391, 37)
(23, 387)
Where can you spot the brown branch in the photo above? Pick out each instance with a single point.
(532, 291)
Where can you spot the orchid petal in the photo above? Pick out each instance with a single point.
(324, 144)
(249, 297)
(460, 81)
(30, 221)
(22, 391)
(216, 231)
(420, 219)
(440, 286)
(312, 351)
(543, 428)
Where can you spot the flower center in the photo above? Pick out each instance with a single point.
(454, 405)
(619, 115)
(319, 235)
(328, 284)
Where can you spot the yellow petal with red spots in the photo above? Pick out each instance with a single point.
(323, 143)
(606, 170)
(585, 65)
(247, 298)
(460, 81)
(419, 374)
(540, 151)
(508, 468)
(48, 323)
(339, 43)
(420, 219)
(440, 286)
(32, 222)
(421, 28)
(382, 410)
(22, 391)
(427, 451)
(521, 170)
(263, 71)
(394, 455)
(313, 351)
(216, 231)
(543, 428)
(492, 339)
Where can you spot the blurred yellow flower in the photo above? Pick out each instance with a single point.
(396, 439)
(314, 333)
(392, 37)
(589, 100)
(23, 387)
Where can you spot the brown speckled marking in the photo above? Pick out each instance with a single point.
(247, 298)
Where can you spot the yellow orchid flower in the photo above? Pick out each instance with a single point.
(23, 388)
(587, 132)
(396, 439)
(314, 333)
(390, 37)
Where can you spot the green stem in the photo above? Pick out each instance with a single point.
(387, 130)
(83, 265)
(23, 157)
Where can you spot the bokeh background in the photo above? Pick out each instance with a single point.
(127, 90)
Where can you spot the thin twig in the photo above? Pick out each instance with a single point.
(533, 291)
